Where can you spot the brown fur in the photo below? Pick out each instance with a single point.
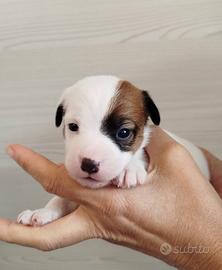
(128, 104)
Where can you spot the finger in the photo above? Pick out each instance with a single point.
(33, 163)
(54, 178)
(66, 231)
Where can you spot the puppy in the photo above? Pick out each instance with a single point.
(106, 124)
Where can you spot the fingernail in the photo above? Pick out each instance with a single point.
(10, 151)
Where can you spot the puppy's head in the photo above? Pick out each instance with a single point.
(104, 124)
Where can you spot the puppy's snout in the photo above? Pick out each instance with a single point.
(89, 165)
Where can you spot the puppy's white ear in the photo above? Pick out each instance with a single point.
(151, 108)
(59, 115)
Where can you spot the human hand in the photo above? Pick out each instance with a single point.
(176, 206)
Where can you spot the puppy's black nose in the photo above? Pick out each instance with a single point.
(89, 165)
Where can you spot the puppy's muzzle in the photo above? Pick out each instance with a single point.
(90, 166)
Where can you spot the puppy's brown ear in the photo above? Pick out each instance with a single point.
(59, 115)
(151, 108)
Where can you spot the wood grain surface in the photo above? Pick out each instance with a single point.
(171, 48)
(56, 23)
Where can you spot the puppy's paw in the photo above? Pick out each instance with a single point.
(134, 174)
(25, 217)
(37, 217)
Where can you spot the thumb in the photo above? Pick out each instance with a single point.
(66, 231)
(215, 167)
(159, 143)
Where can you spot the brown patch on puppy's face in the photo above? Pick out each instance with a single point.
(126, 117)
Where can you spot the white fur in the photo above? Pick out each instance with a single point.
(86, 104)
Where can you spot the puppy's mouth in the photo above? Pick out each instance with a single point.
(91, 182)
(89, 178)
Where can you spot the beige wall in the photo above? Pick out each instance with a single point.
(172, 48)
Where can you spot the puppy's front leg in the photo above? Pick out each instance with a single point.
(56, 208)
(135, 172)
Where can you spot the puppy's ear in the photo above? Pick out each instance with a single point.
(59, 115)
(151, 108)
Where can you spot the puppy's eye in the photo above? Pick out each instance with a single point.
(73, 127)
(123, 134)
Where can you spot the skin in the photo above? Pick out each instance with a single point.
(175, 206)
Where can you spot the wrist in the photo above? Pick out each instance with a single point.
(202, 251)
(200, 257)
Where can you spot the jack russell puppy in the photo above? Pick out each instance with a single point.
(106, 126)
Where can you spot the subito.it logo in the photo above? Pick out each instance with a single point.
(165, 249)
